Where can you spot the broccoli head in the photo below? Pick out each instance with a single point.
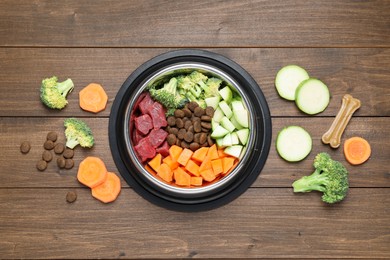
(211, 88)
(184, 83)
(167, 94)
(330, 177)
(197, 77)
(53, 93)
(78, 132)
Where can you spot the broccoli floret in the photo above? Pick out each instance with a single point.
(197, 77)
(184, 83)
(78, 132)
(200, 100)
(53, 93)
(329, 177)
(211, 87)
(167, 94)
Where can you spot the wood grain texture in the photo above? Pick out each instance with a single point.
(18, 170)
(363, 73)
(39, 223)
(196, 23)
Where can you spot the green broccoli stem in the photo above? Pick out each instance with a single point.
(312, 182)
(71, 143)
(65, 87)
(171, 86)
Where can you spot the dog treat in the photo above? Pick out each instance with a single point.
(59, 148)
(71, 197)
(68, 153)
(41, 165)
(48, 145)
(61, 162)
(47, 156)
(348, 107)
(52, 136)
(69, 163)
(25, 147)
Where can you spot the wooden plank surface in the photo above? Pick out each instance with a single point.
(18, 170)
(230, 23)
(363, 73)
(39, 223)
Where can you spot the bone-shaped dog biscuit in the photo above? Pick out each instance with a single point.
(348, 107)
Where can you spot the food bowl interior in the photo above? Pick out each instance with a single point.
(162, 76)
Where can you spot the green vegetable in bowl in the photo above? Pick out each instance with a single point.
(78, 132)
(329, 177)
(168, 95)
(53, 93)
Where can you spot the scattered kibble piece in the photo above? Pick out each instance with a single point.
(52, 136)
(68, 153)
(48, 145)
(69, 163)
(47, 156)
(61, 162)
(25, 147)
(71, 196)
(59, 148)
(41, 165)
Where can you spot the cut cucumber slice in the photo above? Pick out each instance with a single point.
(312, 96)
(219, 132)
(234, 137)
(225, 123)
(212, 102)
(242, 117)
(234, 150)
(225, 109)
(288, 79)
(243, 135)
(293, 143)
(218, 115)
(226, 93)
(214, 124)
(227, 140)
(219, 142)
(236, 105)
(235, 123)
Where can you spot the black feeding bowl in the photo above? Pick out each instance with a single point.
(221, 192)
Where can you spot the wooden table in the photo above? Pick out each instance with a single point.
(343, 43)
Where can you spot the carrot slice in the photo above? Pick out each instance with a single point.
(149, 169)
(356, 150)
(155, 162)
(208, 175)
(213, 152)
(182, 178)
(185, 156)
(174, 152)
(227, 163)
(168, 160)
(192, 168)
(196, 181)
(221, 153)
(232, 168)
(206, 164)
(92, 172)
(165, 172)
(200, 154)
(109, 190)
(93, 98)
(217, 166)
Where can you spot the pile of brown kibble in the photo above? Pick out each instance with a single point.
(190, 127)
(64, 154)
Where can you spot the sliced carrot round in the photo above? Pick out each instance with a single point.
(356, 150)
(93, 98)
(92, 172)
(109, 190)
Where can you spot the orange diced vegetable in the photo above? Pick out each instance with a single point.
(168, 160)
(185, 156)
(208, 175)
(92, 172)
(155, 162)
(174, 152)
(109, 190)
(232, 168)
(196, 181)
(192, 167)
(206, 164)
(182, 178)
(217, 166)
(357, 150)
(213, 152)
(227, 163)
(221, 153)
(165, 172)
(93, 98)
(149, 169)
(200, 154)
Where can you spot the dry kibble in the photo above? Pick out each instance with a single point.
(171, 139)
(202, 138)
(171, 120)
(47, 156)
(61, 162)
(59, 148)
(181, 133)
(206, 125)
(48, 145)
(192, 105)
(209, 111)
(197, 127)
(210, 140)
(52, 136)
(41, 165)
(25, 147)
(69, 163)
(187, 112)
(179, 113)
(189, 137)
(71, 197)
(194, 146)
(187, 124)
(197, 137)
(184, 144)
(179, 123)
(173, 130)
(68, 153)
(199, 111)
(206, 118)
